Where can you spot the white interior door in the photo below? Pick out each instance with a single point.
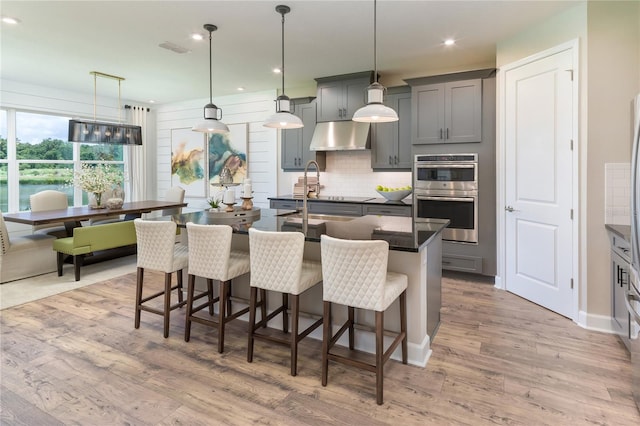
(538, 181)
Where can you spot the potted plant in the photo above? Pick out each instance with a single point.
(214, 204)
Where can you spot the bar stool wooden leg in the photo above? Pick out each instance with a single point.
(191, 280)
(295, 310)
(285, 315)
(326, 337)
(352, 316)
(180, 295)
(403, 324)
(379, 355)
(139, 278)
(210, 295)
(167, 303)
(263, 301)
(222, 313)
(252, 321)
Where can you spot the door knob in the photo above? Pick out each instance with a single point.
(510, 209)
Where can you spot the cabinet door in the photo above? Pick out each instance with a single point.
(620, 283)
(355, 93)
(330, 101)
(463, 111)
(384, 145)
(428, 114)
(307, 113)
(291, 146)
(403, 108)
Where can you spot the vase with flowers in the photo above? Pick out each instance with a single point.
(96, 179)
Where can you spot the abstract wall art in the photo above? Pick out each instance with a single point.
(228, 150)
(188, 161)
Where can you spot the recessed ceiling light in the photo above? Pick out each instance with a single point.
(277, 70)
(197, 36)
(10, 20)
(449, 42)
(240, 89)
(151, 101)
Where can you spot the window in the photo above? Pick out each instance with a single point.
(43, 158)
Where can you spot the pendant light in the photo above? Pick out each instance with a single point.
(283, 119)
(375, 111)
(212, 114)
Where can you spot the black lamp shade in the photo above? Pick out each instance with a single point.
(108, 133)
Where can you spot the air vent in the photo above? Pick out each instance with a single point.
(174, 47)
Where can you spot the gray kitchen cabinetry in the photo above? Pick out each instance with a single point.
(285, 204)
(620, 251)
(449, 112)
(340, 209)
(391, 146)
(295, 142)
(386, 210)
(339, 97)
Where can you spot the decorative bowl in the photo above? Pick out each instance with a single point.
(115, 203)
(395, 195)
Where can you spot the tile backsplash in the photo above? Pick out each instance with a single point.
(617, 193)
(349, 173)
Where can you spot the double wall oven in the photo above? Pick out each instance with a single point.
(446, 187)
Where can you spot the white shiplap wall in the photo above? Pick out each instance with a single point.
(250, 108)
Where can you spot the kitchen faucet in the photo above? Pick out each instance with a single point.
(305, 212)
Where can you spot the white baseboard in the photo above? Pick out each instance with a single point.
(601, 323)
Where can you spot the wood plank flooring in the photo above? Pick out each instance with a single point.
(75, 358)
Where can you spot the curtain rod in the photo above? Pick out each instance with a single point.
(129, 107)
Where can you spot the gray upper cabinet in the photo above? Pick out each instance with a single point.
(448, 112)
(295, 142)
(339, 97)
(391, 146)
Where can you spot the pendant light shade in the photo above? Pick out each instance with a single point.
(212, 114)
(375, 111)
(283, 119)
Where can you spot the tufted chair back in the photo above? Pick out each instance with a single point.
(210, 254)
(354, 272)
(4, 236)
(157, 246)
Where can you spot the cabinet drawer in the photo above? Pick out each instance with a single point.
(343, 209)
(387, 210)
(462, 263)
(285, 204)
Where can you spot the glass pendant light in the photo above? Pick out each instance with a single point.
(212, 114)
(375, 111)
(283, 119)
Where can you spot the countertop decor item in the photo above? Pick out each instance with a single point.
(395, 195)
(115, 203)
(212, 114)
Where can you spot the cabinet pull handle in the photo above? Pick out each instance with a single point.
(447, 135)
(390, 160)
(440, 133)
(396, 158)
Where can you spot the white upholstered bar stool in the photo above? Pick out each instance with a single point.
(211, 257)
(158, 251)
(277, 264)
(355, 274)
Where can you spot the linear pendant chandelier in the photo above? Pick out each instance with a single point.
(283, 119)
(375, 111)
(212, 114)
(87, 131)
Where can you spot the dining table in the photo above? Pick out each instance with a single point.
(73, 216)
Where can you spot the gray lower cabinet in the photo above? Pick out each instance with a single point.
(295, 151)
(386, 210)
(620, 322)
(285, 204)
(448, 112)
(391, 142)
(462, 263)
(343, 209)
(339, 97)
(340, 209)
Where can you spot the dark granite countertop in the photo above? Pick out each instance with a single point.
(401, 232)
(623, 231)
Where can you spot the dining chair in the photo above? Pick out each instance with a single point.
(278, 265)
(211, 257)
(158, 251)
(175, 193)
(47, 200)
(355, 275)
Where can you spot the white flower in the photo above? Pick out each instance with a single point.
(97, 178)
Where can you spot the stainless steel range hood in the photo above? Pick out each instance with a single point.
(341, 136)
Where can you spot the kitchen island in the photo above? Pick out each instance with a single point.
(414, 250)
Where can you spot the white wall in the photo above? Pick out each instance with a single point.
(250, 108)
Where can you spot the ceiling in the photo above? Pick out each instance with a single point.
(58, 43)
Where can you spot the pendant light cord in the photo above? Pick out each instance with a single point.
(282, 70)
(210, 71)
(375, 47)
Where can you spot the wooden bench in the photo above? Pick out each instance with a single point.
(88, 240)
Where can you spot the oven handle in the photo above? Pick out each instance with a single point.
(446, 166)
(631, 296)
(465, 200)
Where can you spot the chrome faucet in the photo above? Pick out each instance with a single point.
(305, 211)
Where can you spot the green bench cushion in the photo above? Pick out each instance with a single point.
(89, 239)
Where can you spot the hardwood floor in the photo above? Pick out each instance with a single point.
(75, 358)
